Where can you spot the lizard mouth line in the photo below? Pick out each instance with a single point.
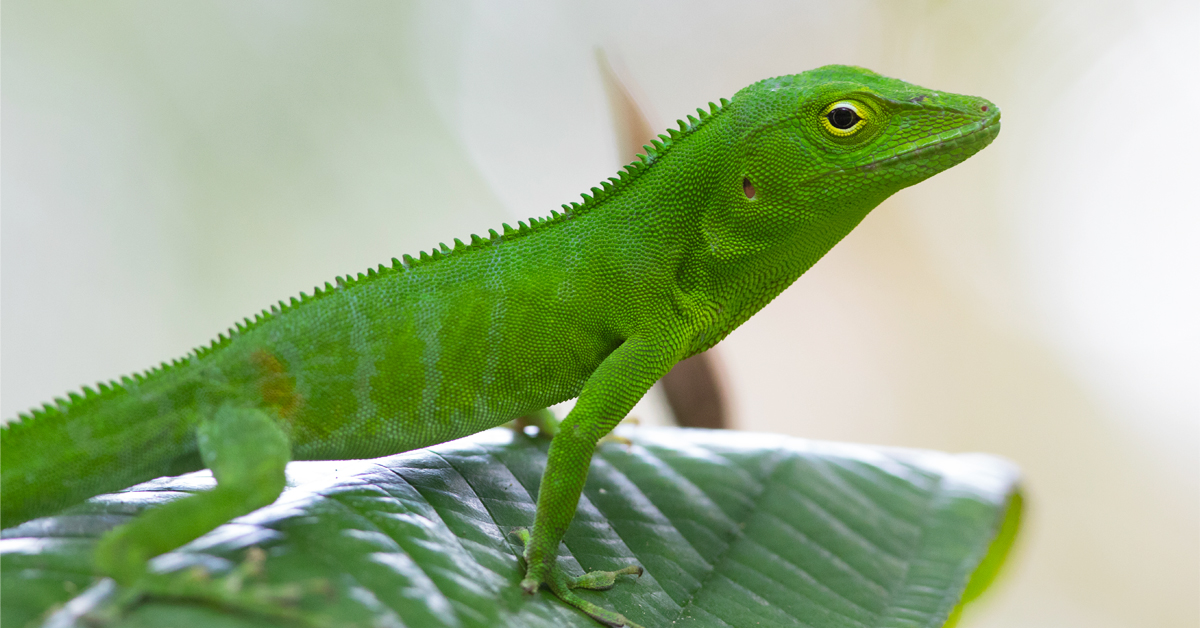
(947, 139)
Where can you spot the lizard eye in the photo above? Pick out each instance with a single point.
(843, 118)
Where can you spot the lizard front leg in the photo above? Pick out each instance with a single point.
(607, 396)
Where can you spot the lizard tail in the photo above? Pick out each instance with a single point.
(95, 443)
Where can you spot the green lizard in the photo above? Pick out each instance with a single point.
(596, 302)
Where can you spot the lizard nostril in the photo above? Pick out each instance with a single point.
(983, 108)
(748, 188)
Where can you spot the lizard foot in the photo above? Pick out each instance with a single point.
(237, 590)
(562, 585)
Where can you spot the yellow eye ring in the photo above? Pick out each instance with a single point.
(844, 118)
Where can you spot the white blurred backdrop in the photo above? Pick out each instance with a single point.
(170, 168)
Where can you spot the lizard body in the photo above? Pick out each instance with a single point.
(596, 302)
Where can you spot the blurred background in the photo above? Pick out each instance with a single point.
(168, 168)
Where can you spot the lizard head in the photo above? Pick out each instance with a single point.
(812, 153)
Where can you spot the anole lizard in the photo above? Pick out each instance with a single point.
(597, 302)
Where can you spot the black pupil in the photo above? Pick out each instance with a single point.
(843, 118)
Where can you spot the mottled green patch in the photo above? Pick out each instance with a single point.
(399, 374)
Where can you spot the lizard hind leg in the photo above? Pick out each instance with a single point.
(247, 453)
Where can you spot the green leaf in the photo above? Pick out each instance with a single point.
(733, 529)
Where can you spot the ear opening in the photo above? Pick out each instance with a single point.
(748, 188)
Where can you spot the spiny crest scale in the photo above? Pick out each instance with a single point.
(405, 263)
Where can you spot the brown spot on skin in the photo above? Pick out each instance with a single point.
(919, 98)
(276, 388)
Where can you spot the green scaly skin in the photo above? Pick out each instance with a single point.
(596, 302)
